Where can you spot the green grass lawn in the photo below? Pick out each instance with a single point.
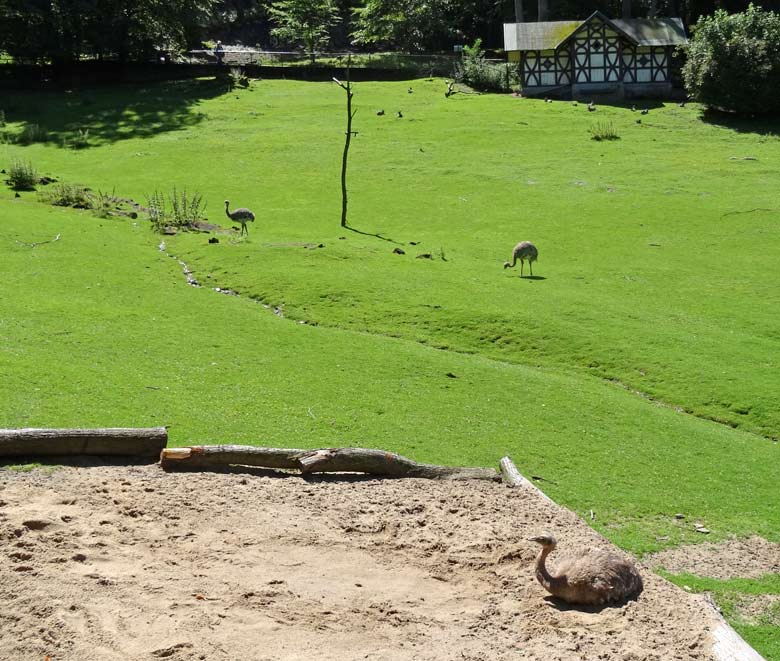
(638, 374)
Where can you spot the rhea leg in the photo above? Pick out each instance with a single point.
(531, 266)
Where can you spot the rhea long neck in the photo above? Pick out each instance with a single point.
(543, 576)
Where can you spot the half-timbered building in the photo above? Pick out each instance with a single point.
(624, 57)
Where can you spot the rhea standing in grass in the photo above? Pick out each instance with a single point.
(525, 250)
(241, 215)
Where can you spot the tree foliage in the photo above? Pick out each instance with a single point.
(67, 30)
(303, 22)
(409, 25)
(734, 62)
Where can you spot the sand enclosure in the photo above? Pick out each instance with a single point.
(130, 562)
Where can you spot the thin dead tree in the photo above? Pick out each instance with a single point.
(347, 87)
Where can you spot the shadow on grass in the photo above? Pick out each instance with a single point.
(378, 236)
(533, 277)
(109, 114)
(258, 471)
(768, 126)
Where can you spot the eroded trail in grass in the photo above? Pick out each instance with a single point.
(656, 401)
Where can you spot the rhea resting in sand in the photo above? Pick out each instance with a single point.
(591, 575)
(522, 251)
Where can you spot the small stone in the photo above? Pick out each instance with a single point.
(398, 251)
(679, 516)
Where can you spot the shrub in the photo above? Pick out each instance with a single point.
(734, 62)
(103, 204)
(238, 77)
(68, 195)
(179, 210)
(604, 131)
(80, 139)
(476, 72)
(22, 176)
(32, 133)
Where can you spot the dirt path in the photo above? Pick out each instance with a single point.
(114, 562)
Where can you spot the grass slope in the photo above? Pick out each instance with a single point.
(659, 249)
(99, 329)
(657, 276)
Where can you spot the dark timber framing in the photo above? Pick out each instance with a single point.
(630, 57)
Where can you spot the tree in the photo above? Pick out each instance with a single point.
(410, 25)
(62, 31)
(734, 62)
(304, 22)
(347, 87)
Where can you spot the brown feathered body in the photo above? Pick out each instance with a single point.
(524, 251)
(592, 576)
(241, 215)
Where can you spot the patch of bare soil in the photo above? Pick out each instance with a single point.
(112, 562)
(759, 608)
(750, 557)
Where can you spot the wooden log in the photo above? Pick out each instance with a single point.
(514, 478)
(385, 464)
(144, 442)
(727, 644)
(331, 460)
(209, 456)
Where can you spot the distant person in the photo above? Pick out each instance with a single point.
(219, 53)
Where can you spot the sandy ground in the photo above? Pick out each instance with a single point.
(752, 557)
(129, 562)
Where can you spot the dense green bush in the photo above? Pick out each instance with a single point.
(479, 74)
(734, 62)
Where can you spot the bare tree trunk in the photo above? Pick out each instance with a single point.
(518, 11)
(347, 87)
(543, 10)
(652, 9)
(113, 441)
(331, 460)
(626, 5)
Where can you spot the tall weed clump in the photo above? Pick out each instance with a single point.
(22, 176)
(604, 131)
(177, 210)
(32, 133)
(68, 195)
(238, 78)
